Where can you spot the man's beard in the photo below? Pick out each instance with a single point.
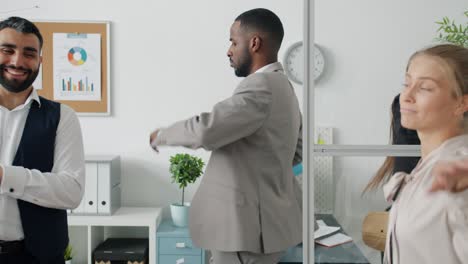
(244, 66)
(16, 86)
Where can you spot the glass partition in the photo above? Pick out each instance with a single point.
(347, 110)
(339, 201)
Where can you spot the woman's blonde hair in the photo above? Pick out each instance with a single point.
(456, 58)
(399, 136)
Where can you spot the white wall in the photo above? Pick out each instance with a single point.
(367, 44)
(169, 62)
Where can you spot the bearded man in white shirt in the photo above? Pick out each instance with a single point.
(41, 154)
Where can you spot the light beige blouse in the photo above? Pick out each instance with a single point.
(428, 227)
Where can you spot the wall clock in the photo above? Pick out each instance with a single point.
(294, 62)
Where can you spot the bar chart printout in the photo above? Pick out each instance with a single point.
(77, 66)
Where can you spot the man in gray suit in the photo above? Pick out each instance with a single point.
(247, 208)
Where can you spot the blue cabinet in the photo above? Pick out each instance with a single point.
(176, 247)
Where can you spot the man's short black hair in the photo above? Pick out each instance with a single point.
(23, 26)
(265, 21)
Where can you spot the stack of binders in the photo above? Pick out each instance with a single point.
(102, 187)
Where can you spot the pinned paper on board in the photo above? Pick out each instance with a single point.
(77, 66)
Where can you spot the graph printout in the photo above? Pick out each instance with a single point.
(77, 66)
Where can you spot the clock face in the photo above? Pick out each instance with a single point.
(294, 62)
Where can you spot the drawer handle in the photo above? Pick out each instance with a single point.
(180, 261)
(180, 245)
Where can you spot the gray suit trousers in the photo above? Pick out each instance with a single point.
(244, 257)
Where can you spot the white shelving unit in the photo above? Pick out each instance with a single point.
(94, 229)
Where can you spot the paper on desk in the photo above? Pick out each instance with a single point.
(324, 230)
(334, 240)
(321, 223)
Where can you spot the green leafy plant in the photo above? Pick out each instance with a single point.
(68, 254)
(453, 33)
(185, 169)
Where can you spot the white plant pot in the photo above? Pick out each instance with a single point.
(68, 262)
(179, 214)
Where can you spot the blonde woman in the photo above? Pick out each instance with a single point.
(431, 227)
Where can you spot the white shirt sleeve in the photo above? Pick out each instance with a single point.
(62, 188)
(458, 225)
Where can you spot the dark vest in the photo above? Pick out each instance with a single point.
(45, 229)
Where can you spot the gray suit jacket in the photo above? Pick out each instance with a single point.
(248, 199)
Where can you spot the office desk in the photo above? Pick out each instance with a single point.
(347, 253)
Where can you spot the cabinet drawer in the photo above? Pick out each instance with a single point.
(177, 246)
(179, 259)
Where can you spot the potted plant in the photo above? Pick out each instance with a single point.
(185, 169)
(453, 33)
(68, 254)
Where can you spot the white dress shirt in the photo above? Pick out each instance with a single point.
(428, 227)
(62, 188)
(268, 67)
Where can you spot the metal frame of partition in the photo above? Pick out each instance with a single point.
(367, 150)
(310, 151)
(308, 136)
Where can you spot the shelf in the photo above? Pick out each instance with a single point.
(95, 225)
(124, 216)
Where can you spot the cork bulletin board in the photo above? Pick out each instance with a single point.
(99, 107)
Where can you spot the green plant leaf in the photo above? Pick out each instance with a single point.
(68, 254)
(449, 31)
(185, 169)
